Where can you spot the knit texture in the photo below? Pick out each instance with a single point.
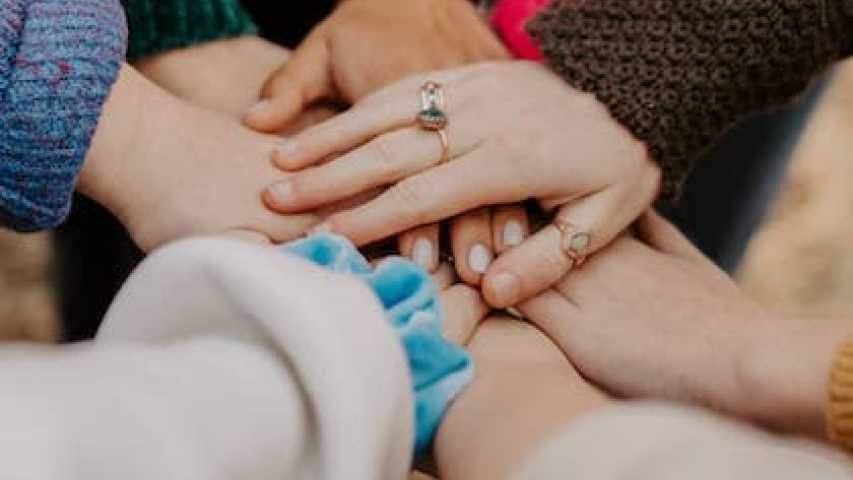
(679, 73)
(839, 410)
(58, 61)
(160, 25)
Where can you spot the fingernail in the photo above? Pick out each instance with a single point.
(281, 191)
(259, 107)
(515, 313)
(479, 258)
(506, 287)
(286, 148)
(513, 234)
(324, 227)
(422, 253)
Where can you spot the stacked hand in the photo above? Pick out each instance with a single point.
(516, 132)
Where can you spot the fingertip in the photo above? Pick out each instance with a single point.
(502, 289)
(277, 197)
(272, 114)
(285, 155)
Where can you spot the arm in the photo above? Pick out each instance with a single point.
(168, 169)
(501, 418)
(58, 62)
(679, 74)
(659, 320)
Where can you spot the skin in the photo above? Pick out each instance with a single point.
(367, 44)
(338, 62)
(470, 444)
(200, 176)
(653, 318)
(689, 335)
(553, 144)
(223, 76)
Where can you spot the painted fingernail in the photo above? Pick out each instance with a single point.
(286, 148)
(324, 227)
(479, 258)
(422, 253)
(260, 107)
(513, 233)
(281, 191)
(506, 287)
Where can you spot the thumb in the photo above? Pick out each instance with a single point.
(304, 79)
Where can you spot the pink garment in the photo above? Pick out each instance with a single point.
(509, 18)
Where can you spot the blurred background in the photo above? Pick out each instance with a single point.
(799, 261)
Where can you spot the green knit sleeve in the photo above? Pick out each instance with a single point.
(161, 25)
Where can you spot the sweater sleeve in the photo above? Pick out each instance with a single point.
(58, 61)
(161, 25)
(679, 73)
(839, 410)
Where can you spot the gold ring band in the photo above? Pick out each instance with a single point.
(445, 146)
(573, 242)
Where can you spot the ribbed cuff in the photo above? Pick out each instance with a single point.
(161, 25)
(839, 409)
(58, 63)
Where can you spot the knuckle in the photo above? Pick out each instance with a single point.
(518, 152)
(382, 151)
(409, 195)
(554, 265)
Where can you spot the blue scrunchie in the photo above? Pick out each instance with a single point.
(439, 369)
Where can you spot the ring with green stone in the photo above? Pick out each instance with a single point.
(431, 116)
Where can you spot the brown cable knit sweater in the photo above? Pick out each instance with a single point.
(678, 73)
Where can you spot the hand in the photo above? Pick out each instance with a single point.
(225, 76)
(367, 44)
(658, 319)
(476, 238)
(168, 169)
(524, 391)
(516, 131)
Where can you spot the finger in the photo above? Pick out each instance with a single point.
(444, 277)
(304, 79)
(421, 245)
(248, 236)
(378, 163)
(553, 314)
(388, 109)
(471, 181)
(464, 309)
(663, 236)
(471, 242)
(510, 226)
(542, 260)
(281, 228)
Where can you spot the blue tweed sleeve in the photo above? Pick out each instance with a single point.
(58, 61)
(439, 369)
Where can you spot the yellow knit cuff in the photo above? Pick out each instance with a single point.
(839, 410)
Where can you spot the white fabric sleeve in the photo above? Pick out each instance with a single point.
(219, 359)
(199, 409)
(658, 441)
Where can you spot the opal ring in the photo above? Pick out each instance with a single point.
(573, 242)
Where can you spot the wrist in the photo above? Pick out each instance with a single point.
(113, 139)
(784, 374)
(524, 391)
